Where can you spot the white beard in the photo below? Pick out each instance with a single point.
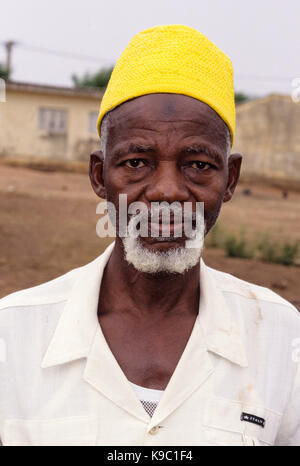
(175, 260)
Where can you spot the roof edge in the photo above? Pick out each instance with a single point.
(89, 92)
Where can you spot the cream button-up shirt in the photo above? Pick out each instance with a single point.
(61, 385)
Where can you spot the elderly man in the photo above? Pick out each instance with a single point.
(147, 345)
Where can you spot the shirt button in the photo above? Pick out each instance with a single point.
(154, 430)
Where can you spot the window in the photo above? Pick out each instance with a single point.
(52, 120)
(93, 117)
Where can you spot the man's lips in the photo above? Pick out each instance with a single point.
(165, 226)
(170, 219)
(166, 229)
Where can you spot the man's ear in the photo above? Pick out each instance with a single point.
(234, 168)
(96, 173)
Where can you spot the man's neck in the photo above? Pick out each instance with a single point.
(129, 290)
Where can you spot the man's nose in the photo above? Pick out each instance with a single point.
(167, 184)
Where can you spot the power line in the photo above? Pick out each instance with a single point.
(82, 57)
(63, 54)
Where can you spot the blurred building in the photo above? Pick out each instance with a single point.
(47, 122)
(56, 123)
(268, 135)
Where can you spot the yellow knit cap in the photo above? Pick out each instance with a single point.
(173, 59)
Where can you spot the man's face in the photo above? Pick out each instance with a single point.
(168, 147)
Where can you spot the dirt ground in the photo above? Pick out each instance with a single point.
(48, 226)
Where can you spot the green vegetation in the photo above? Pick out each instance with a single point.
(267, 250)
(288, 253)
(279, 253)
(241, 97)
(99, 79)
(4, 72)
(238, 247)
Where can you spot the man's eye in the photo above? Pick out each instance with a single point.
(135, 163)
(200, 165)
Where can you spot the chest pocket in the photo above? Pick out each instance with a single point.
(223, 424)
(73, 431)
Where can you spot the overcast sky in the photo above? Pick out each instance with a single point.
(262, 37)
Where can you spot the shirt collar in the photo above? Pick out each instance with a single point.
(77, 326)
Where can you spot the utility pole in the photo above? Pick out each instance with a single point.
(9, 46)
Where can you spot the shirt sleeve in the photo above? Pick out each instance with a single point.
(289, 431)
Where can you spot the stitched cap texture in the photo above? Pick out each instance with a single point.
(173, 59)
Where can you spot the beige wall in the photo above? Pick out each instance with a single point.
(268, 135)
(20, 135)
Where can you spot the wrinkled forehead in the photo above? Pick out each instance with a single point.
(162, 112)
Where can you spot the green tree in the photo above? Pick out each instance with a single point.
(241, 97)
(99, 79)
(4, 72)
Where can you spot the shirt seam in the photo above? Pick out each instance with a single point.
(288, 305)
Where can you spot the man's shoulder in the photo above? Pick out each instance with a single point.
(231, 284)
(48, 293)
(54, 291)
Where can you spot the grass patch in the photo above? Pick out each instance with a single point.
(238, 247)
(284, 253)
(267, 250)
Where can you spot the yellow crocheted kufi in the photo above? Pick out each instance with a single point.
(173, 59)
